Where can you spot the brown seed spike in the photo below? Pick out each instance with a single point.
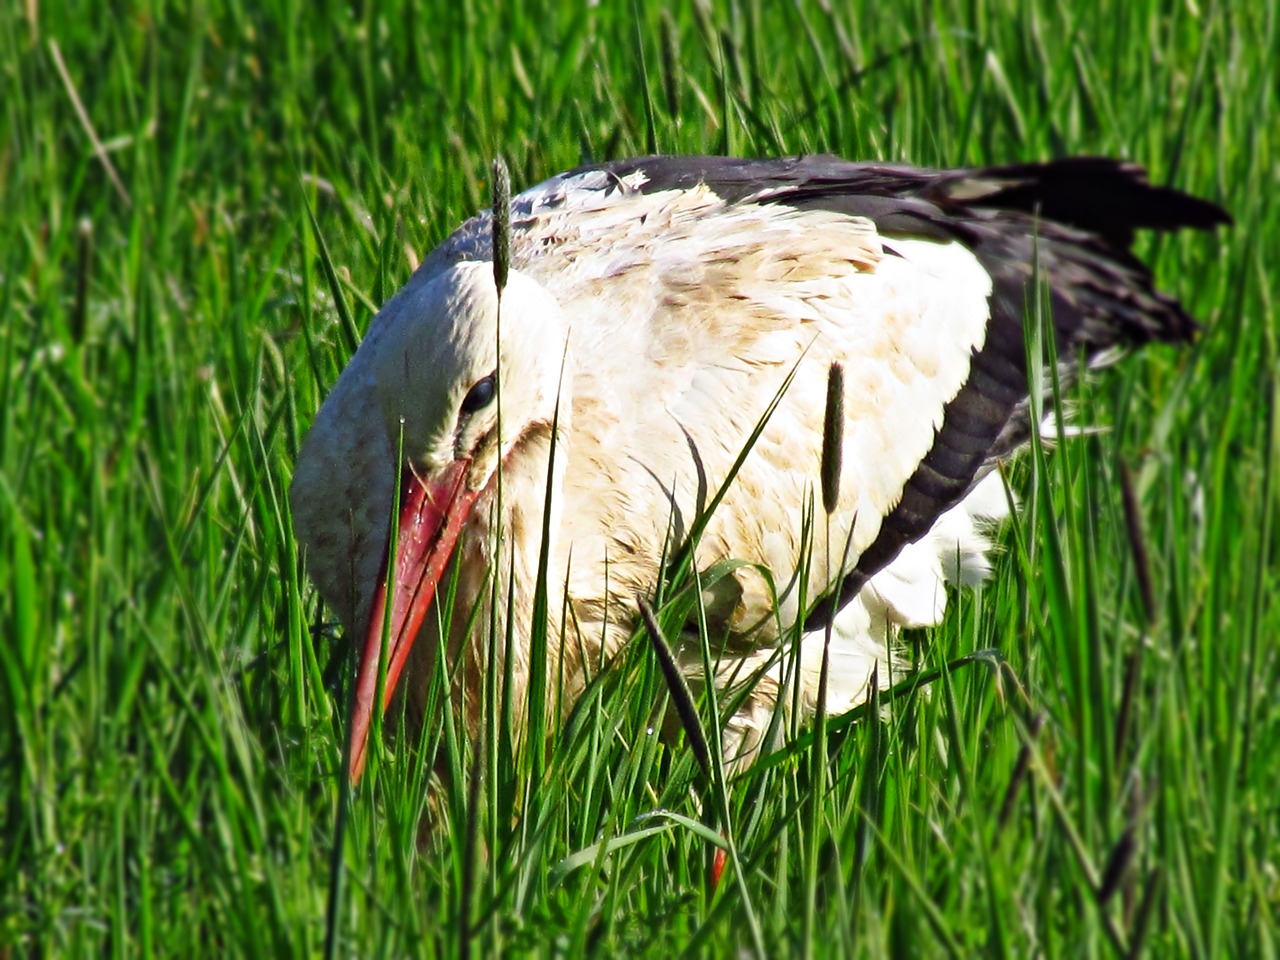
(833, 439)
(501, 223)
(1137, 542)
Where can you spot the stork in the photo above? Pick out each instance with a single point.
(659, 311)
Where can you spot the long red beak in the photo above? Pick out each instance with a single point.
(431, 517)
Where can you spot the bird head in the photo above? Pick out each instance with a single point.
(452, 362)
(460, 382)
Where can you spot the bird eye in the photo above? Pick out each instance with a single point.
(480, 395)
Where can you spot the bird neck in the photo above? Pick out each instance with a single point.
(508, 547)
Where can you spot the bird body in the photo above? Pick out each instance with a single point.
(657, 313)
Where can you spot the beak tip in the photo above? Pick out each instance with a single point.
(356, 749)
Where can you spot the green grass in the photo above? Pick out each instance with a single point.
(170, 705)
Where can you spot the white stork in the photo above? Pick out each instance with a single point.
(655, 307)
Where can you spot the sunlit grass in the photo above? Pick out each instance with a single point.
(171, 707)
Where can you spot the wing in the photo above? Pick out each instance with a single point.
(715, 275)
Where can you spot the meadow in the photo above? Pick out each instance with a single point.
(201, 207)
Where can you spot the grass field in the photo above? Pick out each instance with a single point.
(171, 708)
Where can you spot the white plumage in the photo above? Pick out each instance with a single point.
(656, 307)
